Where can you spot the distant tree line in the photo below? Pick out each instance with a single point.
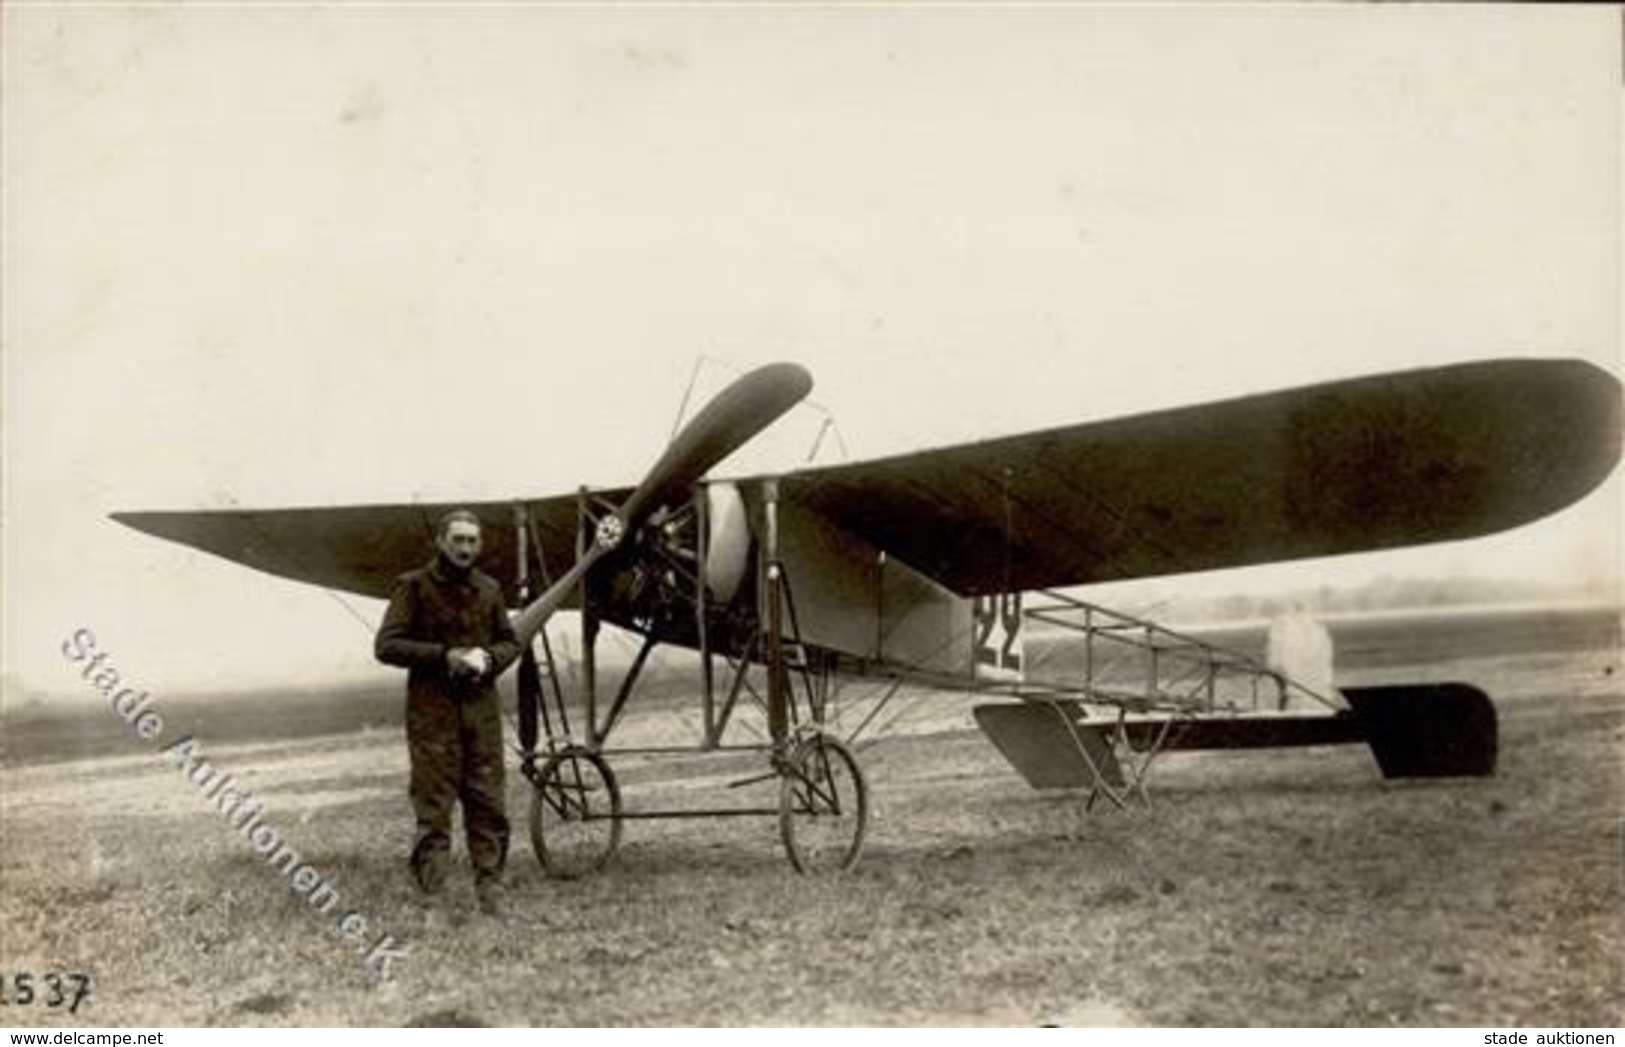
(1385, 593)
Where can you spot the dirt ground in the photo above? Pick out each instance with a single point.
(1267, 888)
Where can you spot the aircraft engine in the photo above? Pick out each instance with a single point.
(649, 579)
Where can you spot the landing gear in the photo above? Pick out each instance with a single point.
(575, 813)
(823, 806)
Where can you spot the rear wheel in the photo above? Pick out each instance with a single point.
(575, 814)
(823, 806)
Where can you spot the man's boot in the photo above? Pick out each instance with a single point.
(429, 869)
(488, 892)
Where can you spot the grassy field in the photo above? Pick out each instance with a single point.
(1269, 888)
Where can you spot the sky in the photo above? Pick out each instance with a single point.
(265, 256)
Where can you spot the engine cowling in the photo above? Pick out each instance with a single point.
(727, 540)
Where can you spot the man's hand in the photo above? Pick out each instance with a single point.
(468, 662)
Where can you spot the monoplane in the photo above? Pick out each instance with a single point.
(923, 568)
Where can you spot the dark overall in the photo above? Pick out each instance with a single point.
(453, 726)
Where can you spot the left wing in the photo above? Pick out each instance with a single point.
(1370, 463)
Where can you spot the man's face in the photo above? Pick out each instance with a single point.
(460, 542)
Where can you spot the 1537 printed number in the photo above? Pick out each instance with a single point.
(52, 989)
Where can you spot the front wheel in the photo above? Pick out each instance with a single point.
(575, 814)
(823, 806)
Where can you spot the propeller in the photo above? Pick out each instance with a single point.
(746, 407)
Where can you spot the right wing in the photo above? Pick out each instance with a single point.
(362, 549)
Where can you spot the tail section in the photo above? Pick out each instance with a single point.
(1436, 730)
(1439, 730)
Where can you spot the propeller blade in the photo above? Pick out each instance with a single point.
(746, 407)
(536, 613)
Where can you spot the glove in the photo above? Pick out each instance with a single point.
(478, 659)
(458, 663)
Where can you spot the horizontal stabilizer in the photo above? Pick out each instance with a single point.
(1050, 745)
(1246, 732)
(1439, 730)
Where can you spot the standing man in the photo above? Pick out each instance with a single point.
(447, 625)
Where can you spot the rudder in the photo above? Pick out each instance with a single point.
(1437, 730)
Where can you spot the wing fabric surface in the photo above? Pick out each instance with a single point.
(362, 549)
(1370, 463)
